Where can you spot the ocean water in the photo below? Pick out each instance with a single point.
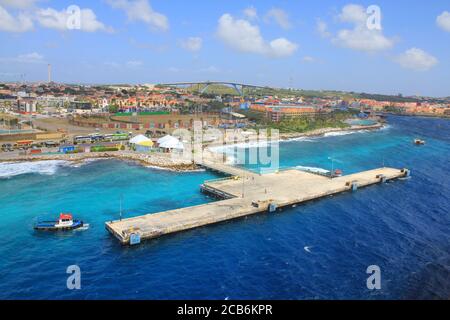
(403, 227)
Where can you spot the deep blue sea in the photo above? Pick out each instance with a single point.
(403, 227)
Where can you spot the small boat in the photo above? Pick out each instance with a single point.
(419, 142)
(64, 223)
(337, 173)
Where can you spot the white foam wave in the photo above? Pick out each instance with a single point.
(340, 133)
(78, 164)
(313, 169)
(304, 139)
(172, 170)
(159, 168)
(11, 169)
(90, 160)
(347, 132)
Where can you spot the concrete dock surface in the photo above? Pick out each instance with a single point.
(244, 195)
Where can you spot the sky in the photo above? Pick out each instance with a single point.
(383, 46)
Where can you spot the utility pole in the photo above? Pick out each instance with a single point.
(332, 166)
(49, 70)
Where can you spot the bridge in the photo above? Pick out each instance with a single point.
(239, 87)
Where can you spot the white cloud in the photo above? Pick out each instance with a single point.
(353, 13)
(111, 64)
(141, 10)
(322, 28)
(53, 19)
(280, 17)
(308, 59)
(360, 37)
(32, 57)
(192, 44)
(128, 64)
(282, 47)
(48, 18)
(251, 13)
(443, 21)
(134, 63)
(20, 4)
(243, 36)
(417, 59)
(21, 23)
(240, 35)
(210, 69)
(363, 39)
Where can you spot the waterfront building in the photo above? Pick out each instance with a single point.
(278, 112)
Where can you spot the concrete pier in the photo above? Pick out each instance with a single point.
(226, 169)
(246, 194)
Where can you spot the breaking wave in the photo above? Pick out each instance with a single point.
(304, 139)
(50, 167)
(312, 169)
(341, 133)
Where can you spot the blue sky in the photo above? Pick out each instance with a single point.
(302, 43)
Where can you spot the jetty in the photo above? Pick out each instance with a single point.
(226, 169)
(245, 193)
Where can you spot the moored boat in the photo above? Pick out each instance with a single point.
(64, 223)
(337, 173)
(419, 142)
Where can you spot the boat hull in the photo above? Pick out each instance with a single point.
(51, 226)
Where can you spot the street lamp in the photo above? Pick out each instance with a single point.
(332, 166)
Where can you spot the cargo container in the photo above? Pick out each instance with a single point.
(67, 149)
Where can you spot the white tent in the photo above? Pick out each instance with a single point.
(138, 139)
(171, 143)
(164, 139)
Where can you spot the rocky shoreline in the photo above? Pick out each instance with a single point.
(163, 160)
(158, 160)
(323, 131)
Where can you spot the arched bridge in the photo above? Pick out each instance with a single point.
(239, 87)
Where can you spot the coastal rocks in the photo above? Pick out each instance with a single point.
(324, 131)
(152, 160)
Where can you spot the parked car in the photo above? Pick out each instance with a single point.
(7, 147)
(51, 144)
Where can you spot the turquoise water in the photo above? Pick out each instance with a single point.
(362, 122)
(402, 226)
